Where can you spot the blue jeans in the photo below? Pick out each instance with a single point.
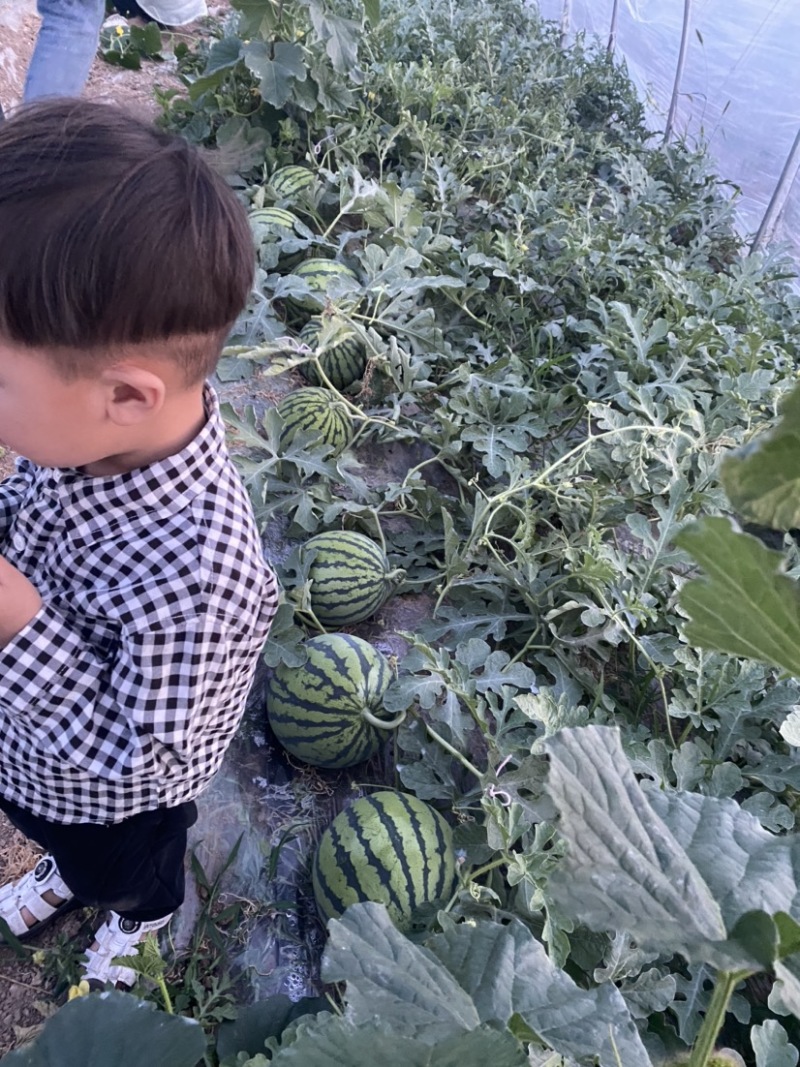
(65, 47)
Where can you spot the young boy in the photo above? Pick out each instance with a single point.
(134, 596)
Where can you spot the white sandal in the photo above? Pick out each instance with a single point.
(28, 893)
(116, 937)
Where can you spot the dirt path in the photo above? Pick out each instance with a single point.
(26, 985)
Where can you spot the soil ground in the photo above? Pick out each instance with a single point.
(26, 988)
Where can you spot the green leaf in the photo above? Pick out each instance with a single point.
(787, 973)
(372, 9)
(254, 1023)
(278, 66)
(788, 934)
(745, 867)
(771, 1045)
(245, 145)
(285, 643)
(333, 1042)
(746, 606)
(222, 57)
(388, 976)
(507, 973)
(757, 934)
(95, 1031)
(623, 869)
(762, 480)
(147, 39)
(475, 974)
(340, 36)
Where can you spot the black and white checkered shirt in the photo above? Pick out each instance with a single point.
(123, 692)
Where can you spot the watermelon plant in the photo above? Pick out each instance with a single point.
(388, 848)
(328, 712)
(350, 577)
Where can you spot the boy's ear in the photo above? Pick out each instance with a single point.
(132, 394)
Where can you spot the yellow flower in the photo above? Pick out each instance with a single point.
(120, 32)
(80, 990)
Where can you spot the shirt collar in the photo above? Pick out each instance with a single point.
(169, 483)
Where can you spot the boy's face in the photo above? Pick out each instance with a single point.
(54, 423)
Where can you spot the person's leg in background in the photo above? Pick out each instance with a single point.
(65, 47)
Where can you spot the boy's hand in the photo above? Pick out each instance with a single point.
(19, 601)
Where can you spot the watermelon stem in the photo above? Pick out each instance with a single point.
(312, 618)
(379, 529)
(453, 751)
(474, 875)
(383, 724)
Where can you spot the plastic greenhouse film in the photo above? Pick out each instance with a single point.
(740, 90)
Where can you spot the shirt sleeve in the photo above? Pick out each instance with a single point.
(13, 491)
(141, 712)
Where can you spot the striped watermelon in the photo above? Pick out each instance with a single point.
(326, 712)
(277, 217)
(288, 182)
(322, 275)
(343, 363)
(390, 848)
(318, 413)
(350, 577)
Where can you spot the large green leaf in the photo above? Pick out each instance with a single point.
(279, 66)
(390, 977)
(746, 867)
(507, 973)
(745, 605)
(762, 480)
(254, 1023)
(623, 870)
(112, 1030)
(336, 1042)
(476, 974)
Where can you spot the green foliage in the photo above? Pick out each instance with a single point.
(96, 1031)
(562, 337)
(128, 46)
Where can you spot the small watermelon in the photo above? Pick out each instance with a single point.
(326, 712)
(288, 182)
(350, 577)
(320, 414)
(343, 363)
(390, 848)
(322, 275)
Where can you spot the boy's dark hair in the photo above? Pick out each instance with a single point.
(114, 233)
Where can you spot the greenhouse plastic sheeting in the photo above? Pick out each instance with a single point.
(740, 90)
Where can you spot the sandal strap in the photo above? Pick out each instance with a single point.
(28, 892)
(117, 937)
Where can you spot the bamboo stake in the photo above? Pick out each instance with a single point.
(612, 33)
(779, 198)
(566, 18)
(673, 104)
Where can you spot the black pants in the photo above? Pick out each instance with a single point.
(134, 867)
